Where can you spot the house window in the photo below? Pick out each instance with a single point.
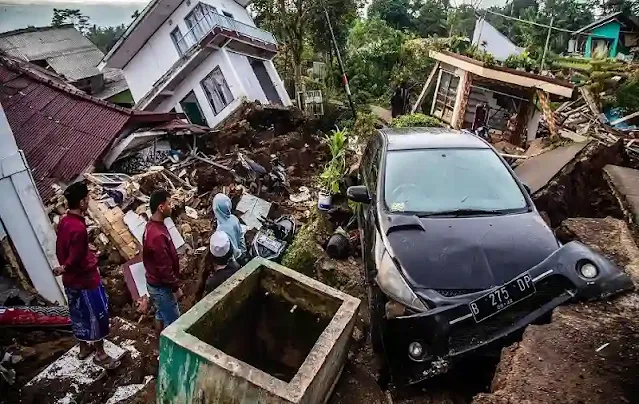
(217, 90)
(226, 13)
(200, 21)
(178, 41)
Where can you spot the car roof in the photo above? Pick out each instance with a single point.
(431, 138)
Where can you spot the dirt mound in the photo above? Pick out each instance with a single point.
(587, 354)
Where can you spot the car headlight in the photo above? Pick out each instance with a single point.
(394, 285)
(588, 270)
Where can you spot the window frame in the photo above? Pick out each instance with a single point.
(209, 96)
(175, 40)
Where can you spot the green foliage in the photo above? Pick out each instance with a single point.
(627, 96)
(523, 61)
(431, 18)
(373, 49)
(105, 37)
(331, 178)
(305, 249)
(396, 13)
(364, 127)
(63, 16)
(414, 63)
(461, 21)
(415, 120)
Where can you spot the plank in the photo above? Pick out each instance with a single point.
(427, 85)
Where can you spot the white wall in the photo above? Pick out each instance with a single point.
(248, 78)
(159, 53)
(496, 43)
(192, 82)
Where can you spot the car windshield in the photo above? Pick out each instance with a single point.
(456, 181)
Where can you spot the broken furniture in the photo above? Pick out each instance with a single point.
(268, 334)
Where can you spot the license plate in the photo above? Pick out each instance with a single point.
(504, 296)
(269, 243)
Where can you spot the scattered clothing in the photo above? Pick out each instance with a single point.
(229, 223)
(72, 251)
(166, 307)
(159, 256)
(89, 312)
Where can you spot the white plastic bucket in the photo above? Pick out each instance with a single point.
(324, 201)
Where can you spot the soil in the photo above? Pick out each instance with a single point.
(588, 353)
(579, 189)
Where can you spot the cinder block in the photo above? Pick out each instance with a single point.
(267, 335)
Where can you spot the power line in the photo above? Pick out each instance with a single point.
(536, 23)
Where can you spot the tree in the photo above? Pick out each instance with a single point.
(461, 21)
(373, 49)
(105, 37)
(396, 13)
(70, 16)
(430, 19)
(298, 24)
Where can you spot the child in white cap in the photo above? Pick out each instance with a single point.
(219, 264)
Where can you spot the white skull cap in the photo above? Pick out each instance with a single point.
(220, 244)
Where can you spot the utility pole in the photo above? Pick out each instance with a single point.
(339, 61)
(543, 58)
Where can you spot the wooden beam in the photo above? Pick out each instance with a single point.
(624, 119)
(427, 85)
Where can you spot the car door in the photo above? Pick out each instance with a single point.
(369, 211)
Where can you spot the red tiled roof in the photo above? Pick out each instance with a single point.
(62, 132)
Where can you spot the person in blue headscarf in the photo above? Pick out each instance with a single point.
(229, 224)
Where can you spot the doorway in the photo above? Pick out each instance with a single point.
(192, 110)
(265, 81)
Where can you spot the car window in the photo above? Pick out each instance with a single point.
(430, 181)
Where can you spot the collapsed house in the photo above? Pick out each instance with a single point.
(52, 134)
(470, 93)
(70, 55)
(200, 58)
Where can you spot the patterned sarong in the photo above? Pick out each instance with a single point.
(89, 311)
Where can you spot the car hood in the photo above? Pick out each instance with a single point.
(467, 252)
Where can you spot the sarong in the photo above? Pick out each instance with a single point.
(89, 312)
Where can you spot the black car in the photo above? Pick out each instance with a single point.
(456, 256)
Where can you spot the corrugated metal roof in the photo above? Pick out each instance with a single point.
(61, 132)
(65, 49)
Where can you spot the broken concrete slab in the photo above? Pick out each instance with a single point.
(624, 183)
(126, 392)
(577, 189)
(537, 171)
(73, 373)
(268, 334)
(587, 354)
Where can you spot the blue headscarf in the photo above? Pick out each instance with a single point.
(229, 223)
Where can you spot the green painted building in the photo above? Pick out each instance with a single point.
(608, 36)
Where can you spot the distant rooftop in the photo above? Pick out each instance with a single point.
(66, 51)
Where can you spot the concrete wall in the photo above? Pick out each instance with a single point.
(497, 43)
(246, 75)
(193, 82)
(609, 31)
(159, 53)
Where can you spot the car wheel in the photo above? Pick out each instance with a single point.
(376, 312)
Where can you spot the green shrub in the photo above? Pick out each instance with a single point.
(415, 120)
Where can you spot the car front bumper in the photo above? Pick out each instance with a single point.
(450, 331)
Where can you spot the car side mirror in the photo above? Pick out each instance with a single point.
(358, 193)
(527, 188)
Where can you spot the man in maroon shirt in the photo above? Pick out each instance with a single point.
(161, 262)
(88, 306)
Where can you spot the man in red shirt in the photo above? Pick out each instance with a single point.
(88, 306)
(161, 262)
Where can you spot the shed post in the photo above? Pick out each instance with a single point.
(25, 219)
(461, 101)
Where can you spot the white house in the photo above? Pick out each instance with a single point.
(488, 38)
(197, 57)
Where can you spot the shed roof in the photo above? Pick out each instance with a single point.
(61, 131)
(506, 75)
